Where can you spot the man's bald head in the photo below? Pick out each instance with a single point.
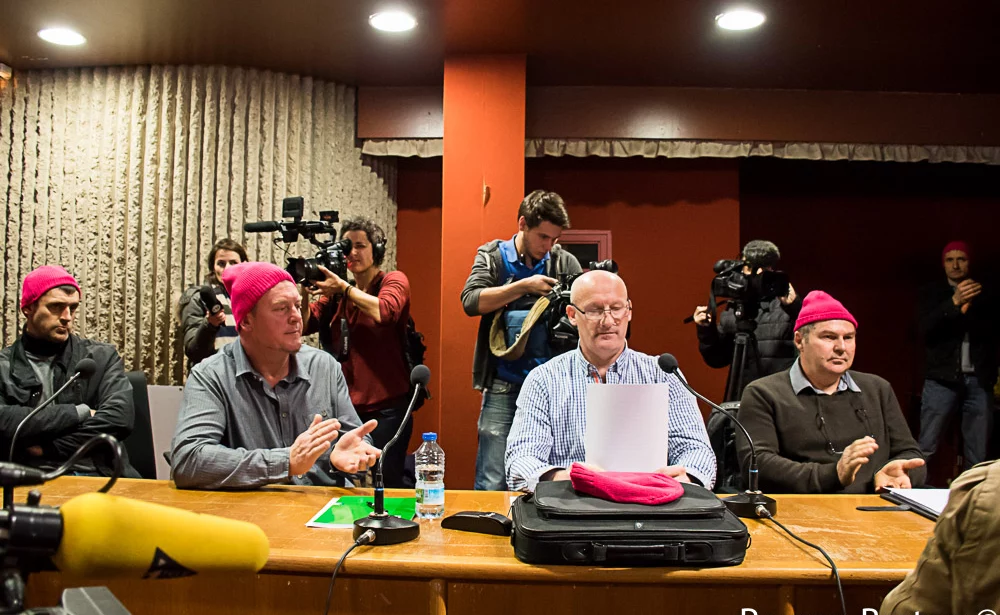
(597, 282)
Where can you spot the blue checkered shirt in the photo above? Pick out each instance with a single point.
(551, 419)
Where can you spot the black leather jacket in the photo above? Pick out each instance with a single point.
(59, 429)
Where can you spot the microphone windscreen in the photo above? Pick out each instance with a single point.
(261, 227)
(107, 535)
(667, 363)
(421, 374)
(86, 367)
(209, 299)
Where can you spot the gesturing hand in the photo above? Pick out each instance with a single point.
(894, 474)
(855, 455)
(965, 291)
(352, 454)
(310, 444)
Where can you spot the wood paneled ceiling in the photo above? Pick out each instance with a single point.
(916, 45)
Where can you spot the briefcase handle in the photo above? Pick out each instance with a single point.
(667, 552)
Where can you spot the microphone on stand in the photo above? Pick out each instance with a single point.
(744, 504)
(390, 530)
(84, 369)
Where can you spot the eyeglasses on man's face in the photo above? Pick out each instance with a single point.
(596, 314)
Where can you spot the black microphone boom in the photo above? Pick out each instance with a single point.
(262, 227)
(744, 504)
(390, 530)
(84, 369)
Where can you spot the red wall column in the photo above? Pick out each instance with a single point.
(484, 102)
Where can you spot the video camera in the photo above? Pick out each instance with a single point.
(332, 254)
(734, 283)
(563, 336)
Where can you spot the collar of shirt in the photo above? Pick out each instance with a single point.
(801, 383)
(509, 251)
(243, 365)
(582, 366)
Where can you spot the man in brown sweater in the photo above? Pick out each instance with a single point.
(821, 428)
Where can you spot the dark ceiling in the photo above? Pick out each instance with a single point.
(919, 45)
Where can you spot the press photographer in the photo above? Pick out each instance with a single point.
(762, 308)
(507, 278)
(365, 327)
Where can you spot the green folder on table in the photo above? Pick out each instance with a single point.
(343, 511)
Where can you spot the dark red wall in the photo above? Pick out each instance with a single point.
(418, 228)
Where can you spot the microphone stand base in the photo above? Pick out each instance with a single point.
(745, 504)
(389, 530)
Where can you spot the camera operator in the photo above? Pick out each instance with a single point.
(205, 330)
(507, 278)
(374, 313)
(774, 320)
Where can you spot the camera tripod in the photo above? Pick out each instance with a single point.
(744, 348)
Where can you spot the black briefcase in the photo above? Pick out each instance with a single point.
(557, 525)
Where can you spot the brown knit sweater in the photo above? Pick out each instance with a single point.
(793, 454)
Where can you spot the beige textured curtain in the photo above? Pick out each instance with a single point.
(127, 176)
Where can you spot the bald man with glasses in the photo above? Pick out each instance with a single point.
(550, 422)
(820, 427)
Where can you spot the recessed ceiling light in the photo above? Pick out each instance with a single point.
(61, 36)
(393, 21)
(741, 19)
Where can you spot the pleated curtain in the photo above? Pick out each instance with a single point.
(128, 175)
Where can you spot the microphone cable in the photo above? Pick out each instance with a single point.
(763, 512)
(363, 539)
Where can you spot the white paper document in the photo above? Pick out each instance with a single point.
(932, 499)
(627, 426)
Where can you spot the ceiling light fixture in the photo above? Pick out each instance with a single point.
(393, 21)
(61, 36)
(740, 19)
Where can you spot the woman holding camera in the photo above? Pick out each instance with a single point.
(206, 317)
(373, 314)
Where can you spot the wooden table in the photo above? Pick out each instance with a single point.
(458, 572)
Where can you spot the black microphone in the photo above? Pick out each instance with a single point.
(84, 369)
(390, 530)
(746, 503)
(210, 300)
(262, 227)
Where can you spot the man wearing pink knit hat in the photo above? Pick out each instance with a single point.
(266, 409)
(820, 427)
(39, 362)
(960, 333)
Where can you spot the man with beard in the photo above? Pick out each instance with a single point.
(39, 362)
(266, 409)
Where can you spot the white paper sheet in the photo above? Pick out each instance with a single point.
(932, 499)
(627, 426)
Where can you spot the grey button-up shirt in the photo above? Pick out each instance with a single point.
(235, 431)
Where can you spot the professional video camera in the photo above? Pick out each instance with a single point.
(332, 254)
(563, 336)
(733, 282)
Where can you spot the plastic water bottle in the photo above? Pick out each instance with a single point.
(429, 460)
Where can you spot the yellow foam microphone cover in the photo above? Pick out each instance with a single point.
(107, 535)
